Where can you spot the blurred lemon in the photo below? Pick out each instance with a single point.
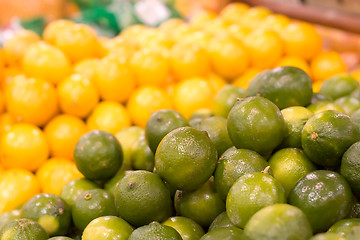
(275, 22)
(295, 62)
(216, 82)
(87, 68)
(109, 116)
(6, 121)
(55, 173)
(63, 132)
(145, 101)
(244, 79)
(24, 146)
(237, 31)
(326, 65)
(356, 74)
(55, 28)
(234, 12)
(2, 102)
(254, 16)
(119, 46)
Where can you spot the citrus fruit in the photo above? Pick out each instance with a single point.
(250, 193)
(9, 216)
(31, 100)
(118, 46)
(327, 135)
(324, 196)
(111, 184)
(142, 197)
(226, 233)
(73, 189)
(327, 64)
(55, 28)
(253, 17)
(87, 68)
(355, 116)
(285, 86)
(42, 60)
(202, 205)
(98, 155)
(192, 94)
(234, 163)
(233, 11)
(344, 226)
(145, 101)
(110, 226)
(109, 116)
(275, 22)
(317, 97)
(323, 105)
(256, 82)
(61, 238)
(63, 132)
(23, 229)
(278, 221)
(245, 78)
(161, 123)
(55, 173)
(257, 124)
(186, 227)
(295, 62)
(289, 165)
(50, 211)
(295, 118)
(349, 167)
(339, 86)
(225, 99)
(155, 231)
(222, 220)
(328, 236)
(348, 104)
(101, 203)
(185, 158)
(77, 95)
(24, 146)
(142, 157)
(354, 233)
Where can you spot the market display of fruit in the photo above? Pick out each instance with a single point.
(237, 125)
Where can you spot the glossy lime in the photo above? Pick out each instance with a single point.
(186, 227)
(155, 231)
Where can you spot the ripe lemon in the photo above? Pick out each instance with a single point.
(327, 64)
(87, 68)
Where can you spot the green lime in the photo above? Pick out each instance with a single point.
(327, 135)
(285, 86)
(216, 127)
(21, 229)
(50, 211)
(155, 231)
(348, 104)
(317, 97)
(202, 205)
(225, 233)
(127, 137)
(344, 226)
(328, 236)
(322, 106)
(142, 197)
(72, 190)
(295, 119)
(222, 220)
(161, 123)
(257, 124)
(142, 157)
(111, 185)
(201, 114)
(225, 99)
(112, 227)
(350, 167)
(186, 158)
(233, 164)
(339, 86)
(8, 216)
(289, 165)
(186, 227)
(256, 83)
(324, 196)
(250, 193)
(355, 116)
(354, 233)
(98, 155)
(278, 222)
(355, 209)
(101, 203)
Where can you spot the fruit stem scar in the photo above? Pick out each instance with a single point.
(266, 170)
(314, 135)
(131, 185)
(87, 196)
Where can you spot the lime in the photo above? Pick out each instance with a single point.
(186, 158)
(324, 196)
(250, 193)
(8, 216)
(222, 220)
(111, 185)
(256, 83)
(233, 164)
(142, 157)
(317, 97)
(355, 116)
(257, 124)
(344, 226)
(225, 99)
(155, 231)
(285, 86)
(72, 190)
(339, 86)
(161, 123)
(201, 114)
(112, 227)
(98, 155)
(278, 222)
(289, 165)
(328, 236)
(350, 167)
(202, 205)
(99, 201)
(327, 135)
(348, 104)
(186, 227)
(355, 209)
(50, 211)
(216, 127)
(21, 229)
(354, 233)
(225, 233)
(142, 197)
(295, 119)
(322, 106)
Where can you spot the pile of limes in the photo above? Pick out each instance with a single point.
(229, 126)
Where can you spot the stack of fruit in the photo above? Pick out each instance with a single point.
(113, 134)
